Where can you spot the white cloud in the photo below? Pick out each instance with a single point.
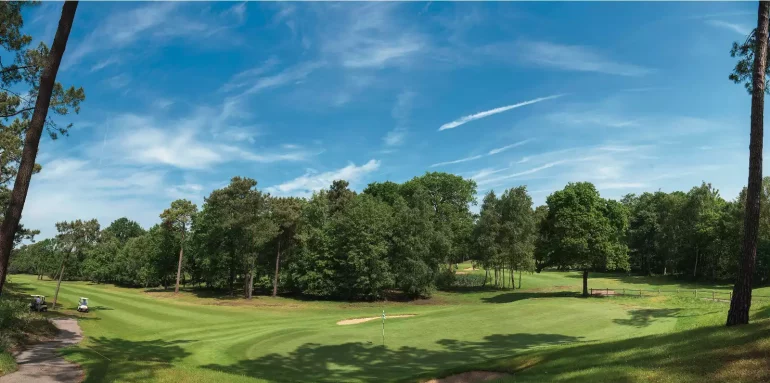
(504, 148)
(737, 28)
(573, 58)
(185, 143)
(457, 161)
(480, 115)
(312, 181)
(620, 185)
(75, 188)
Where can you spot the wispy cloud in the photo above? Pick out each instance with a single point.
(574, 58)
(504, 148)
(369, 35)
(312, 181)
(155, 23)
(401, 113)
(491, 112)
(287, 76)
(104, 63)
(592, 118)
(248, 76)
(457, 161)
(737, 28)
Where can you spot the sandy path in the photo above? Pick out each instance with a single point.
(362, 320)
(41, 363)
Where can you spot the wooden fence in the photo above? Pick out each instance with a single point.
(717, 296)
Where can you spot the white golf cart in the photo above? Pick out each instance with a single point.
(83, 305)
(38, 303)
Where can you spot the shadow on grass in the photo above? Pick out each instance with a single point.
(706, 354)
(645, 317)
(513, 297)
(364, 362)
(115, 359)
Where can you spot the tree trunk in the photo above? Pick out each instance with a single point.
(486, 276)
(520, 279)
(503, 277)
(585, 283)
(695, 269)
(58, 284)
(32, 139)
(741, 301)
(277, 267)
(251, 284)
(179, 266)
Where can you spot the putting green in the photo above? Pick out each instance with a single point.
(153, 336)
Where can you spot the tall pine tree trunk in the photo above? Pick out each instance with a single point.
(61, 274)
(179, 266)
(741, 302)
(277, 268)
(32, 138)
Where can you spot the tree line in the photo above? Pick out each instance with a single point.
(406, 238)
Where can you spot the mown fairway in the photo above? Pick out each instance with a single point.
(134, 335)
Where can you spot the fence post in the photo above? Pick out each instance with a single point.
(592, 292)
(607, 291)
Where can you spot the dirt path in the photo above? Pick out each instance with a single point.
(41, 363)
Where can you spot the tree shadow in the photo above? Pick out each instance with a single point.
(513, 297)
(366, 362)
(125, 360)
(714, 353)
(645, 317)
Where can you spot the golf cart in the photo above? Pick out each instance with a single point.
(83, 305)
(38, 303)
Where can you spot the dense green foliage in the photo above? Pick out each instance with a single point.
(404, 238)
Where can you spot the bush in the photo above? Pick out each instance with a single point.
(13, 315)
(445, 279)
(469, 280)
(17, 323)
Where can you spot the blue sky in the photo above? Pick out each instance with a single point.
(183, 96)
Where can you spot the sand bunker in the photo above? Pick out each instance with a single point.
(471, 377)
(362, 320)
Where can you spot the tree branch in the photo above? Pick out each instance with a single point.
(15, 68)
(17, 112)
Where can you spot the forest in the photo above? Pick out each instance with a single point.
(402, 238)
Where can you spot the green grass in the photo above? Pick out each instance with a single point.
(537, 332)
(7, 364)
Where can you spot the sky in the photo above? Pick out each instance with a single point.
(181, 97)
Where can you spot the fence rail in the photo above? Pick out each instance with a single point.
(717, 296)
